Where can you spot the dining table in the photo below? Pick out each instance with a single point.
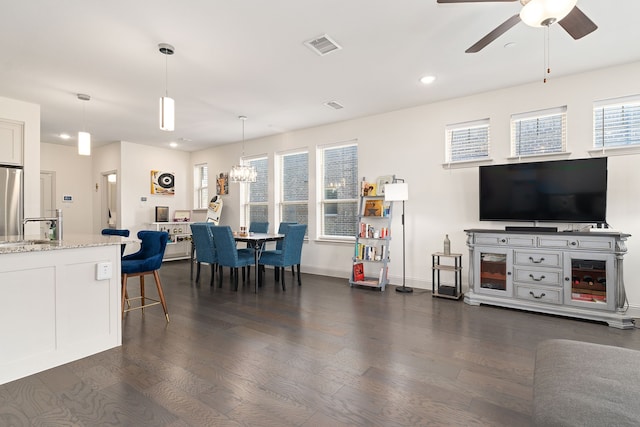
(257, 241)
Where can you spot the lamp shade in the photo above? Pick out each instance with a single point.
(396, 192)
(167, 113)
(538, 13)
(84, 143)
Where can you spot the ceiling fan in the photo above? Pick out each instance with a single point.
(538, 13)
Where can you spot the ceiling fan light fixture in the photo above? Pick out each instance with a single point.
(540, 13)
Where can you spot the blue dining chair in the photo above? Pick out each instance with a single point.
(258, 227)
(229, 255)
(147, 260)
(290, 254)
(282, 229)
(205, 249)
(116, 232)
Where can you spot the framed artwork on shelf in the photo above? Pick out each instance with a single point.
(381, 181)
(182, 216)
(162, 213)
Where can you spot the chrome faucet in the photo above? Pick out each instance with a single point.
(57, 219)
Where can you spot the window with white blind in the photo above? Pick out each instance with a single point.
(257, 194)
(293, 186)
(616, 122)
(539, 132)
(467, 141)
(201, 186)
(339, 190)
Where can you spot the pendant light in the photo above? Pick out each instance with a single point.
(243, 173)
(167, 105)
(84, 137)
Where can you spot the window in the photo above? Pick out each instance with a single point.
(201, 186)
(339, 190)
(616, 122)
(257, 208)
(539, 132)
(467, 141)
(294, 187)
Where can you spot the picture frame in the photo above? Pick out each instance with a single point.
(381, 181)
(182, 216)
(162, 183)
(162, 213)
(222, 184)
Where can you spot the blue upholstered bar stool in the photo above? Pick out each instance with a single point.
(147, 260)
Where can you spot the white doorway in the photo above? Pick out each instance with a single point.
(109, 212)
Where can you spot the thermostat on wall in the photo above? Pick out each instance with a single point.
(67, 199)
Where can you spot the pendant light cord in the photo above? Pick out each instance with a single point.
(547, 66)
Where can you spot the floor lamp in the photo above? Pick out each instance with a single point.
(395, 192)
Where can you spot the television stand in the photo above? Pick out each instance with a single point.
(531, 229)
(577, 274)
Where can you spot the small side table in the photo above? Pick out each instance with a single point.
(438, 289)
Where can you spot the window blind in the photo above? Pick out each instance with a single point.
(616, 122)
(467, 141)
(539, 132)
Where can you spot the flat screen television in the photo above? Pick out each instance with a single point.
(555, 191)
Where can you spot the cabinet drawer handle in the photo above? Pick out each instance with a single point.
(536, 280)
(536, 262)
(503, 240)
(536, 297)
(573, 243)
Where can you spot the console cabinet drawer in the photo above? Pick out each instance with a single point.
(505, 240)
(539, 294)
(539, 259)
(548, 277)
(602, 243)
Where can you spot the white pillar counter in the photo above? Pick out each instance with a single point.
(60, 302)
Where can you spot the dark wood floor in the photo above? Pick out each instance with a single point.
(324, 354)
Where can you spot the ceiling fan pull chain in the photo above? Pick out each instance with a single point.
(547, 66)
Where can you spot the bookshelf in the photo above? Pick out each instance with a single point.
(373, 235)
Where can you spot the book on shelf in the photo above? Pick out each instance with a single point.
(373, 207)
(368, 189)
(358, 272)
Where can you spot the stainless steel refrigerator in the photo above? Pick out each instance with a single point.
(11, 201)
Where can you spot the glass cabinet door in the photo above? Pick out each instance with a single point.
(494, 271)
(588, 280)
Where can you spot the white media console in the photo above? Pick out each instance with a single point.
(574, 274)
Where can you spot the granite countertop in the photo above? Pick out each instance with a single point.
(73, 241)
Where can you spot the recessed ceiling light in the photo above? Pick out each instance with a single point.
(65, 136)
(427, 80)
(173, 144)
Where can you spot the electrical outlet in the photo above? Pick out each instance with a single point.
(103, 271)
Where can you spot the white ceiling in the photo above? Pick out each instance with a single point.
(247, 57)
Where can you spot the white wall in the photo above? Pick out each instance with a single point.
(72, 178)
(29, 114)
(410, 144)
(137, 162)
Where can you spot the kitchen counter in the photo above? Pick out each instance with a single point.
(13, 243)
(60, 302)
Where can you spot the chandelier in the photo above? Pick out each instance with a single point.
(243, 173)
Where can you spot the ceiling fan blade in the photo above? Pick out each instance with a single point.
(474, 1)
(577, 24)
(500, 30)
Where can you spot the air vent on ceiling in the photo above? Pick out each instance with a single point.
(322, 45)
(334, 104)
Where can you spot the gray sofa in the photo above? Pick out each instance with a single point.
(584, 384)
